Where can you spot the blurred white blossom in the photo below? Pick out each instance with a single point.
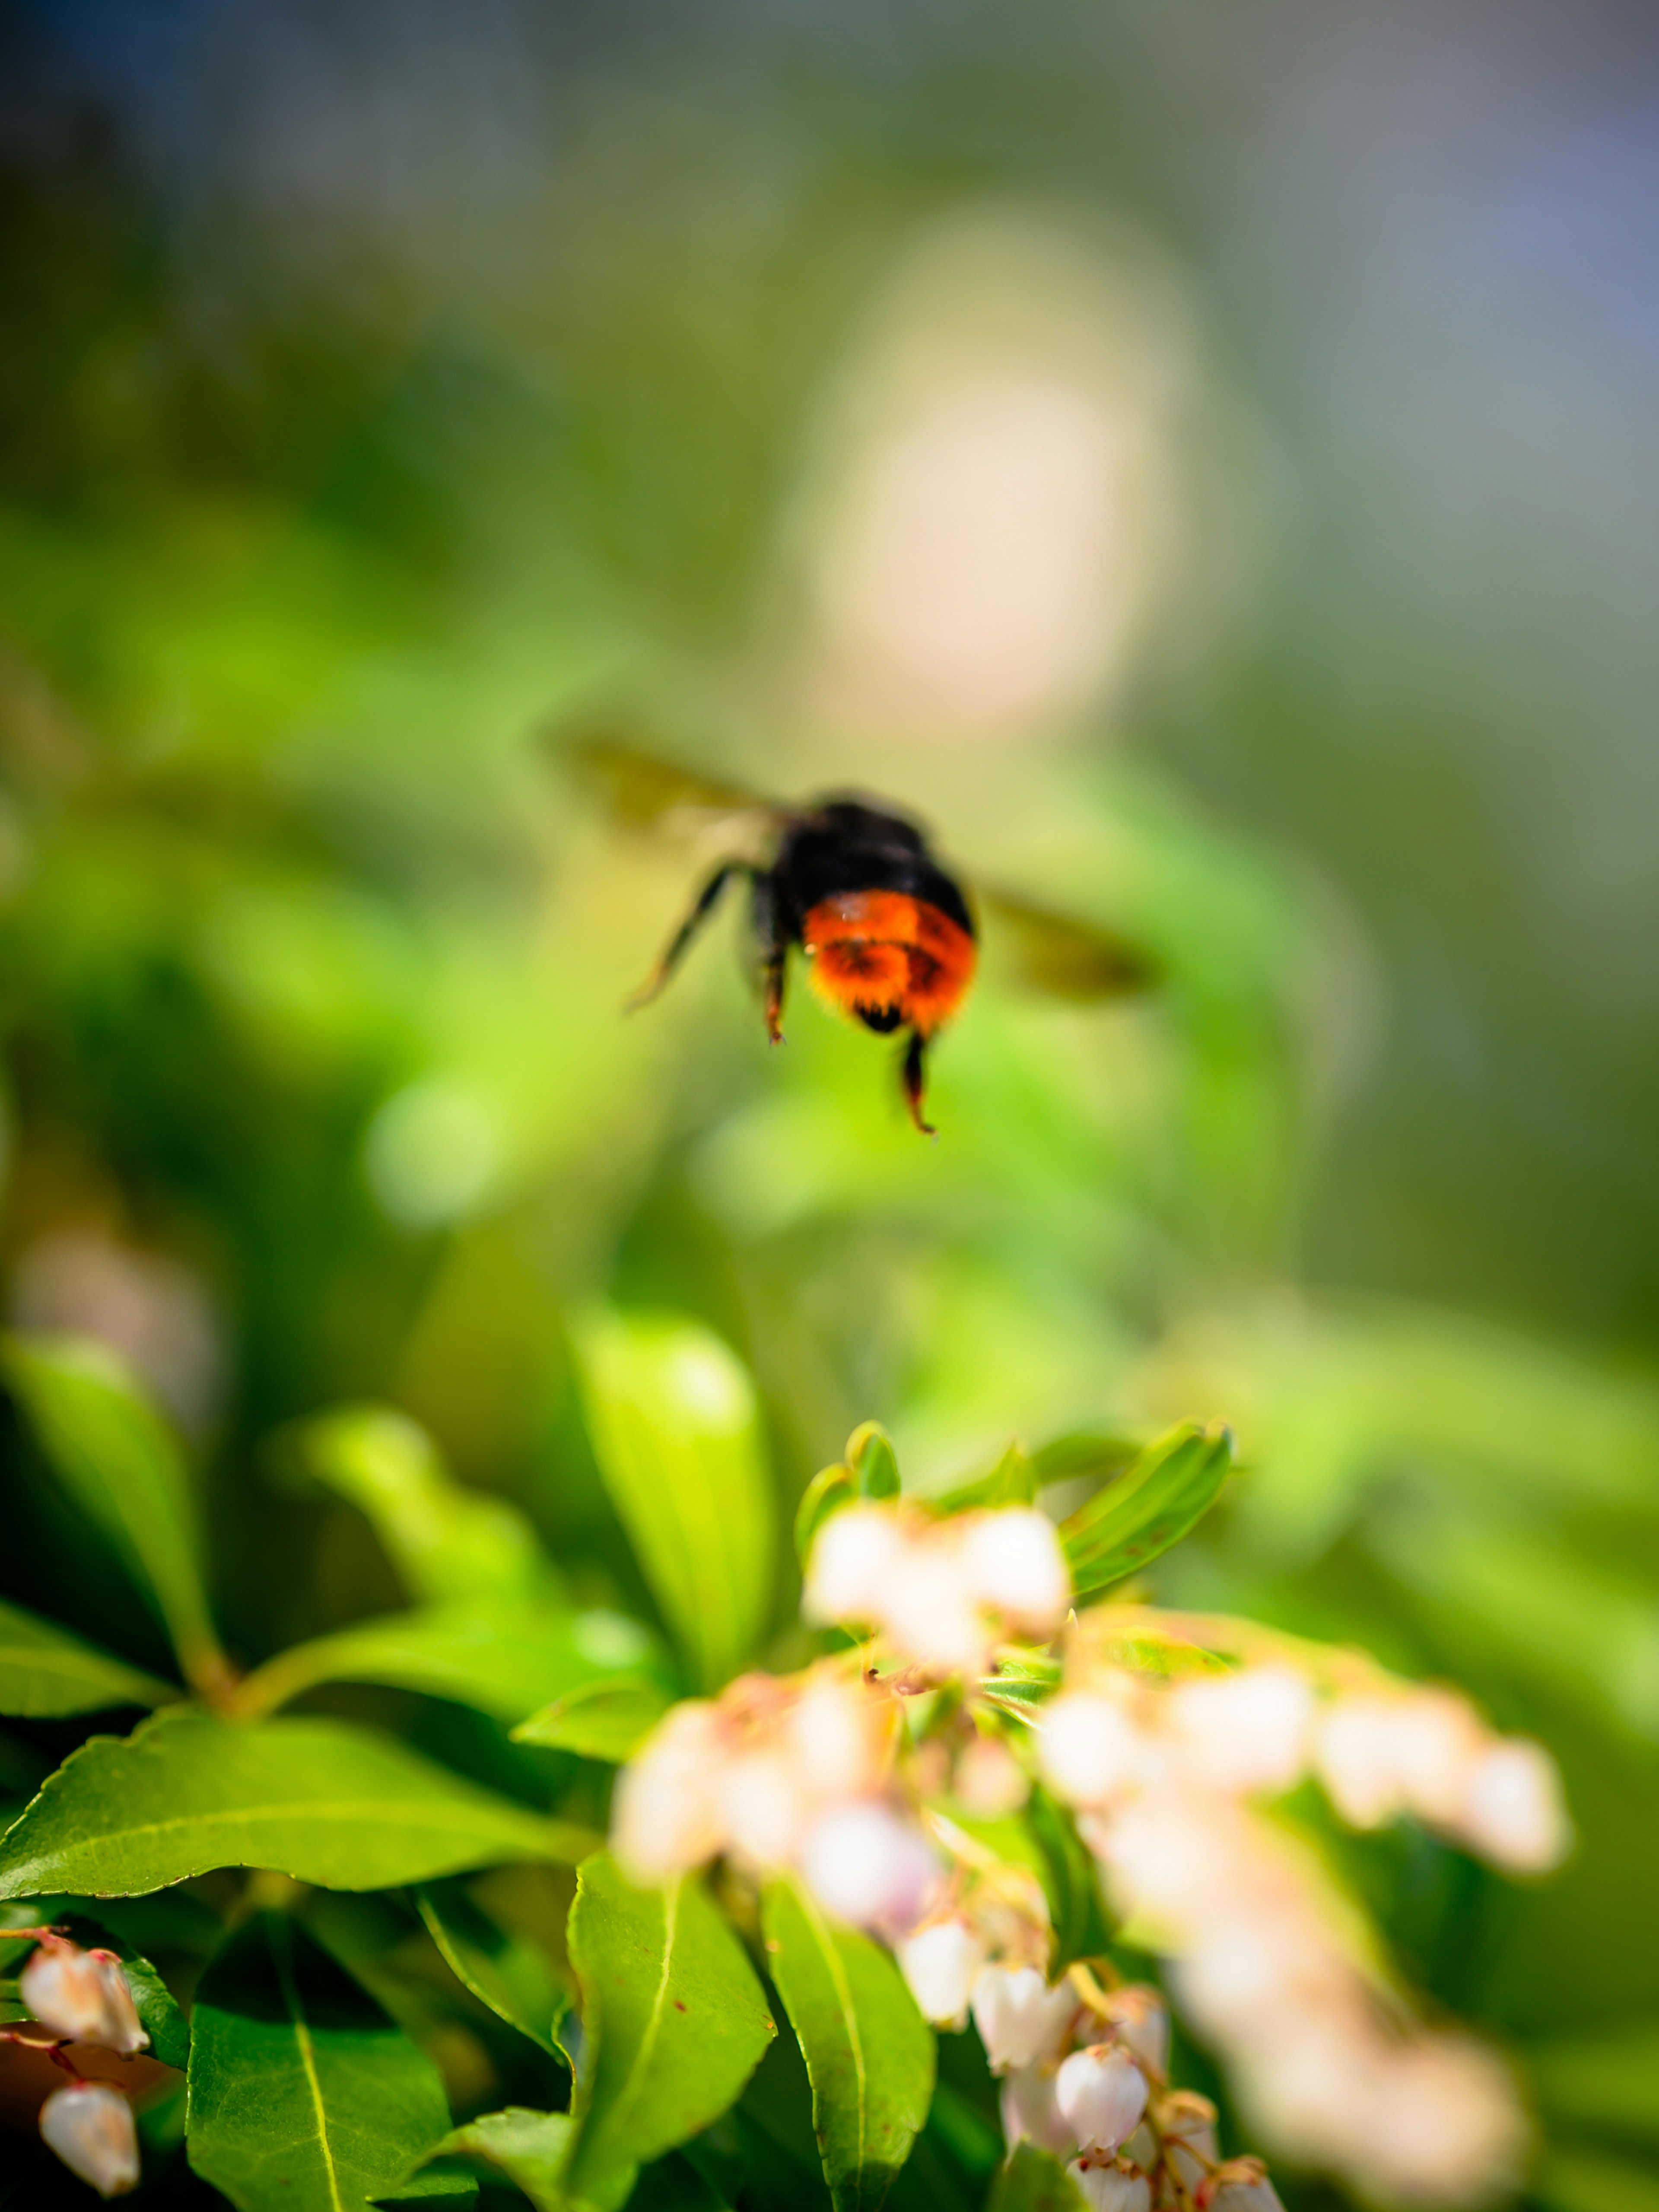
(83, 1997)
(90, 2126)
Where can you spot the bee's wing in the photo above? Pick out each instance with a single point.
(642, 791)
(1061, 954)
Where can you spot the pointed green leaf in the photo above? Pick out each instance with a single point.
(304, 2097)
(529, 2148)
(830, 1488)
(874, 1463)
(445, 1542)
(118, 1460)
(319, 1800)
(1012, 1482)
(1147, 1508)
(502, 1967)
(1035, 2180)
(501, 1658)
(1083, 1455)
(1070, 1884)
(673, 2023)
(675, 1430)
(45, 1671)
(608, 1719)
(869, 2054)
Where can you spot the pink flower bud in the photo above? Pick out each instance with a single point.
(1013, 1561)
(83, 1996)
(939, 1963)
(1102, 2094)
(90, 2126)
(1105, 2187)
(871, 1867)
(1030, 2113)
(1019, 2018)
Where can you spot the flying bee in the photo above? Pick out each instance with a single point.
(888, 933)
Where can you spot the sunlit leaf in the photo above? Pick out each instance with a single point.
(675, 1430)
(529, 2148)
(445, 1542)
(501, 1967)
(605, 1719)
(118, 1460)
(873, 1460)
(1035, 2180)
(674, 2023)
(44, 1671)
(830, 1488)
(502, 1659)
(870, 2055)
(320, 1799)
(1147, 1508)
(304, 2097)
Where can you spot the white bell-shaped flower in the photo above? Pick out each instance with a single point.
(871, 1867)
(1246, 1732)
(1105, 2187)
(90, 2126)
(1088, 1748)
(1030, 2113)
(940, 1962)
(1242, 2185)
(1512, 1811)
(1102, 2094)
(1013, 1561)
(1019, 2018)
(83, 1996)
(857, 1559)
(1187, 2124)
(1141, 2020)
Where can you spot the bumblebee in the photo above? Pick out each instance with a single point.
(854, 885)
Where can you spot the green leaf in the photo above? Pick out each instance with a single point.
(1035, 2180)
(529, 2148)
(502, 1659)
(504, 1969)
(1606, 2080)
(319, 1800)
(304, 2097)
(1583, 2177)
(675, 1430)
(1070, 1883)
(608, 1719)
(1149, 1507)
(830, 1488)
(674, 2185)
(446, 1543)
(1012, 1482)
(1081, 1455)
(44, 1672)
(872, 1461)
(869, 2054)
(119, 1461)
(673, 2021)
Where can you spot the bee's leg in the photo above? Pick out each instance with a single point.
(772, 942)
(913, 1076)
(701, 907)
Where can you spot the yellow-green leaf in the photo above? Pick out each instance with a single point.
(1150, 1506)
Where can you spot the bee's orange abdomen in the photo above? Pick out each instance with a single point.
(887, 959)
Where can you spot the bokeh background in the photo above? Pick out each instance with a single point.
(1201, 459)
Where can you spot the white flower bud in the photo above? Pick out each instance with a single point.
(1243, 1732)
(1242, 2186)
(939, 1963)
(83, 1996)
(90, 2126)
(1191, 2145)
(931, 1614)
(856, 1557)
(864, 1863)
(1438, 1741)
(1019, 2018)
(1030, 2113)
(834, 1734)
(759, 1805)
(1105, 2187)
(1102, 2094)
(988, 1779)
(1356, 1755)
(1088, 1748)
(1513, 1810)
(1142, 2020)
(664, 1815)
(1013, 1561)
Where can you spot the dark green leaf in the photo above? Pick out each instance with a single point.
(529, 2148)
(120, 1462)
(674, 2185)
(447, 1544)
(675, 1430)
(869, 2053)
(502, 1968)
(1035, 2180)
(1582, 2177)
(874, 1462)
(45, 1671)
(1149, 1507)
(605, 1719)
(304, 2097)
(502, 1658)
(673, 2020)
(319, 1800)
(830, 1488)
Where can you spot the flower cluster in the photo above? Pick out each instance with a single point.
(1270, 1962)
(82, 1998)
(943, 1592)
